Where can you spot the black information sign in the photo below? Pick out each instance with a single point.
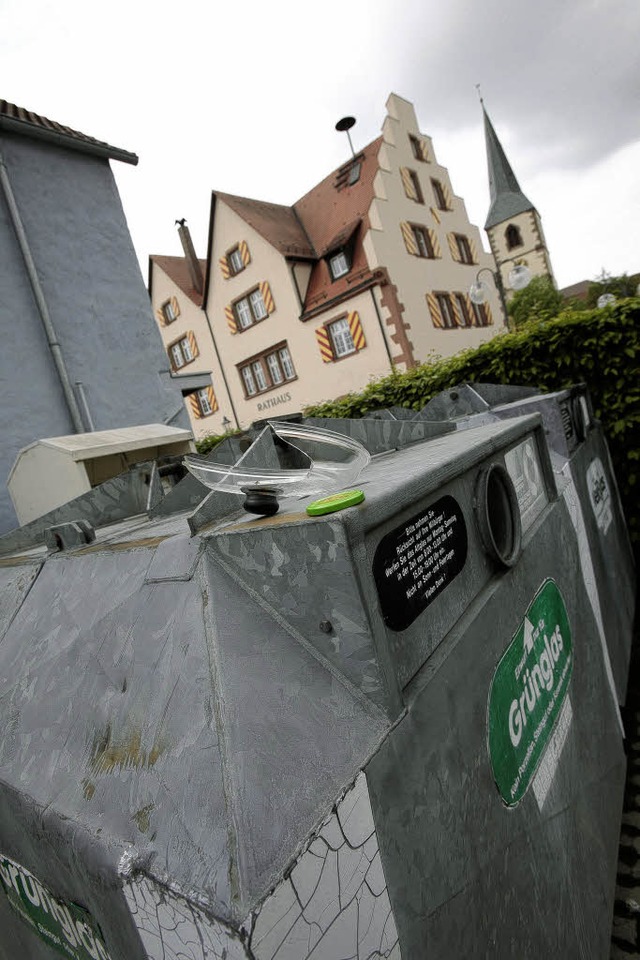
(415, 562)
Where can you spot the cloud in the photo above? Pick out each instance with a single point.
(562, 75)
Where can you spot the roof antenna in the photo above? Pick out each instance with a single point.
(479, 93)
(345, 125)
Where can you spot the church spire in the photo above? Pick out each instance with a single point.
(507, 199)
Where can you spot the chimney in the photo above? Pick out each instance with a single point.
(192, 261)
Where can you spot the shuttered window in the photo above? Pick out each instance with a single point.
(183, 351)
(341, 337)
(419, 149)
(439, 194)
(420, 241)
(268, 370)
(460, 248)
(235, 260)
(250, 309)
(168, 312)
(411, 184)
(203, 403)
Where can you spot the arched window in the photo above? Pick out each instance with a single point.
(513, 236)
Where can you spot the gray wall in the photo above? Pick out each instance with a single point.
(96, 296)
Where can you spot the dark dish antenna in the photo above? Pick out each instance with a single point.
(344, 126)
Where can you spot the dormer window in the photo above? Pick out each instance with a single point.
(338, 265)
(354, 174)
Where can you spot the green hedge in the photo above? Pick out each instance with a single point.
(213, 439)
(598, 347)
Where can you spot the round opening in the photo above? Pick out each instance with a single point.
(498, 515)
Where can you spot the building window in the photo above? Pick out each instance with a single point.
(338, 265)
(235, 261)
(267, 371)
(250, 309)
(480, 314)
(423, 241)
(412, 186)
(446, 310)
(513, 237)
(181, 352)
(464, 249)
(204, 402)
(463, 310)
(354, 174)
(169, 311)
(418, 148)
(341, 339)
(439, 194)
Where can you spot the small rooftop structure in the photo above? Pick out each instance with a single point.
(54, 470)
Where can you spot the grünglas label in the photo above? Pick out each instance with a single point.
(527, 692)
(63, 925)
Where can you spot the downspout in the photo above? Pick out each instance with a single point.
(41, 303)
(226, 385)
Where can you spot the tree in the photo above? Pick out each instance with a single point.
(621, 287)
(538, 301)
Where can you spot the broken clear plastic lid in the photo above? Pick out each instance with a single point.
(335, 461)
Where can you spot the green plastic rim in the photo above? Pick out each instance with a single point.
(337, 501)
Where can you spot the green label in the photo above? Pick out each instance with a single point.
(527, 692)
(61, 924)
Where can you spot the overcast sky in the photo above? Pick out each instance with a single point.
(243, 97)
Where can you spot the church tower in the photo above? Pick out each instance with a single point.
(513, 224)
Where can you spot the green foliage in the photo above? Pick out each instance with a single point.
(212, 440)
(598, 347)
(538, 301)
(620, 287)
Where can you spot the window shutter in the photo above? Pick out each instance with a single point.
(224, 267)
(231, 318)
(213, 402)
(434, 310)
(175, 307)
(453, 247)
(487, 309)
(326, 352)
(357, 333)
(192, 343)
(471, 311)
(243, 250)
(435, 243)
(459, 319)
(409, 239)
(424, 150)
(435, 215)
(474, 250)
(160, 317)
(267, 296)
(407, 183)
(195, 406)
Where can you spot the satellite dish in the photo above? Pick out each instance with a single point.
(345, 124)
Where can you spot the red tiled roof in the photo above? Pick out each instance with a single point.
(325, 211)
(276, 223)
(329, 217)
(323, 220)
(18, 120)
(177, 270)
